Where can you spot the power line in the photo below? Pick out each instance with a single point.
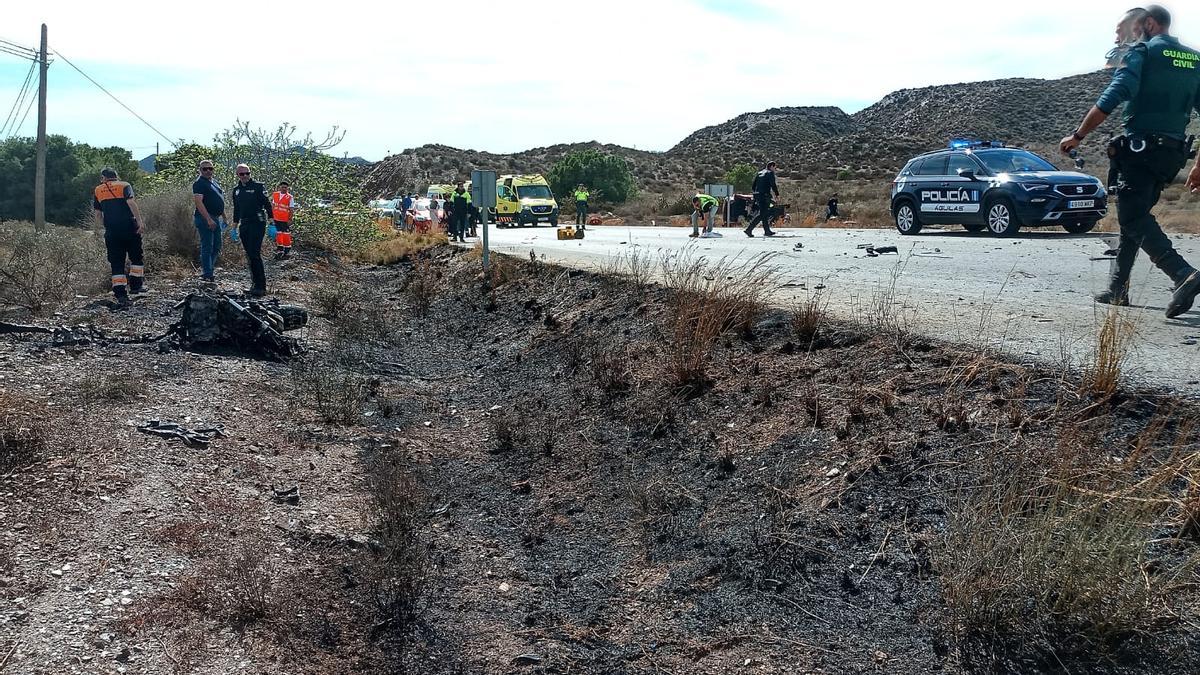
(29, 107)
(110, 95)
(17, 103)
(10, 47)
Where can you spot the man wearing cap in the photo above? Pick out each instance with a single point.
(251, 208)
(117, 211)
(209, 218)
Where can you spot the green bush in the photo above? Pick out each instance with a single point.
(607, 176)
(741, 177)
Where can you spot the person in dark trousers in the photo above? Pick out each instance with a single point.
(209, 219)
(581, 206)
(765, 190)
(462, 212)
(831, 208)
(251, 208)
(1159, 83)
(117, 211)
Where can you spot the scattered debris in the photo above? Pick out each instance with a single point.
(527, 660)
(290, 496)
(199, 438)
(211, 319)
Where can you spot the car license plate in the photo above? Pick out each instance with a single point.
(1081, 204)
(544, 219)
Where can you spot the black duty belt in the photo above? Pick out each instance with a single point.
(1139, 142)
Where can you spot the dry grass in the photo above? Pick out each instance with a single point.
(809, 315)
(97, 388)
(710, 297)
(399, 507)
(1102, 371)
(401, 246)
(326, 383)
(355, 312)
(423, 286)
(1050, 556)
(170, 231)
(24, 431)
(40, 271)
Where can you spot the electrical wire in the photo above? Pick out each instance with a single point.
(29, 107)
(110, 95)
(16, 106)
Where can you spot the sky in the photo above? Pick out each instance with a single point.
(504, 77)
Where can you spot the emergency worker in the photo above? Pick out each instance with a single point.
(581, 206)
(461, 213)
(765, 190)
(1159, 82)
(117, 211)
(250, 208)
(283, 205)
(704, 209)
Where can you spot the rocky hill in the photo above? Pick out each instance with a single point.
(807, 141)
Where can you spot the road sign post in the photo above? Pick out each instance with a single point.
(483, 195)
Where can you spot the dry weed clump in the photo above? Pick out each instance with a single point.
(423, 286)
(402, 246)
(328, 385)
(97, 388)
(1102, 370)
(40, 271)
(809, 316)
(355, 313)
(1049, 559)
(24, 431)
(611, 369)
(710, 297)
(170, 231)
(398, 508)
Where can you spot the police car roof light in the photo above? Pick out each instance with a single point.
(966, 143)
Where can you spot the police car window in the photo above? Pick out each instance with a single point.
(960, 162)
(932, 166)
(1013, 161)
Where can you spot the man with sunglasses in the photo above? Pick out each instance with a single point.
(209, 218)
(251, 208)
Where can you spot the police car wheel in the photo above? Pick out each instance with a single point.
(1079, 227)
(1001, 221)
(906, 219)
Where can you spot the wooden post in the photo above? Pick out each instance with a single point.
(39, 180)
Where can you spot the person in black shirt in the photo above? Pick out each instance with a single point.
(209, 218)
(831, 208)
(117, 211)
(461, 213)
(764, 187)
(251, 208)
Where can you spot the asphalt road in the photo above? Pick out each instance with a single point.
(1029, 296)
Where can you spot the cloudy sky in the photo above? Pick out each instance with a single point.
(505, 76)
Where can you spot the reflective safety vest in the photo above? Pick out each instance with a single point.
(581, 195)
(281, 203)
(707, 202)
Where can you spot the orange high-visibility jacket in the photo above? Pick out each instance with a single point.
(281, 206)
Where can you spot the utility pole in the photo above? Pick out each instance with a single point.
(39, 179)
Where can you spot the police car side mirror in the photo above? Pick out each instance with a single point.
(966, 173)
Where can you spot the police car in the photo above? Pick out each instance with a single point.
(985, 185)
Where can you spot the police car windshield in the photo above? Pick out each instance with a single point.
(533, 192)
(1013, 161)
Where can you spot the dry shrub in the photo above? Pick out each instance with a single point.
(611, 369)
(1051, 558)
(355, 312)
(40, 271)
(24, 431)
(710, 298)
(809, 316)
(1102, 370)
(423, 286)
(398, 507)
(170, 231)
(401, 246)
(327, 384)
(96, 387)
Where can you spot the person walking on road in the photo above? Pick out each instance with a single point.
(251, 208)
(581, 206)
(209, 218)
(283, 205)
(461, 212)
(1159, 82)
(117, 211)
(704, 210)
(765, 190)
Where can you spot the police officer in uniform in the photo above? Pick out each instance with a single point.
(581, 206)
(461, 214)
(1159, 82)
(765, 189)
(117, 210)
(251, 208)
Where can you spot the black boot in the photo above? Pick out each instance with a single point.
(121, 292)
(137, 285)
(1185, 293)
(1117, 293)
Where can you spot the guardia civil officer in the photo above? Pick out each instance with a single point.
(251, 208)
(1159, 82)
(581, 206)
(765, 190)
(1128, 34)
(117, 210)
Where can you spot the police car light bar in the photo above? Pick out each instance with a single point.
(964, 143)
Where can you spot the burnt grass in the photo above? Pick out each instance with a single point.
(796, 513)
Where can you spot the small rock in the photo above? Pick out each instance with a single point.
(527, 660)
(57, 573)
(504, 587)
(833, 472)
(123, 655)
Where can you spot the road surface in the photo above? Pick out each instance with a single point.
(1029, 296)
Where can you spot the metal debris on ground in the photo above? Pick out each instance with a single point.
(876, 251)
(289, 495)
(194, 437)
(216, 320)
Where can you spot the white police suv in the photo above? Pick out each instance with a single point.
(985, 185)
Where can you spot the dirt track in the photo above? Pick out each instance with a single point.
(1029, 296)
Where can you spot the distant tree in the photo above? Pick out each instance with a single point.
(741, 177)
(608, 177)
(72, 170)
